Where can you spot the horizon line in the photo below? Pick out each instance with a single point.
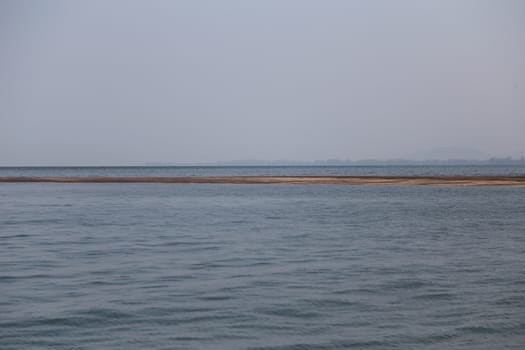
(282, 162)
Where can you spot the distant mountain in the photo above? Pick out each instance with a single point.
(370, 162)
(443, 156)
(448, 153)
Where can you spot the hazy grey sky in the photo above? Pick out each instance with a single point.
(122, 82)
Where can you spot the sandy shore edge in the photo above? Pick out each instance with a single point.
(350, 180)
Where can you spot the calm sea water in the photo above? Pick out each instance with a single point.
(265, 170)
(218, 266)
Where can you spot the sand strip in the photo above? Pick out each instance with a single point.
(350, 180)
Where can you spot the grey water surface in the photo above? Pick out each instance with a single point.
(219, 266)
(302, 170)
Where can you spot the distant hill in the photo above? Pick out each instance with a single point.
(448, 154)
(362, 162)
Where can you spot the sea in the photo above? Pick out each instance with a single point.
(261, 266)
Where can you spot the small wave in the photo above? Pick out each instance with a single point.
(181, 243)
(104, 313)
(64, 321)
(517, 300)
(435, 296)
(167, 311)
(215, 297)
(176, 319)
(9, 278)
(21, 235)
(39, 222)
(330, 303)
(323, 346)
(406, 284)
(239, 222)
(435, 338)
(289, 312)
(17, 278)
(10, 222)
(509, 327)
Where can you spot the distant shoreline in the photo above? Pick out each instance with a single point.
(340, 180)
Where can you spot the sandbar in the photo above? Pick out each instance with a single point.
(339, 180)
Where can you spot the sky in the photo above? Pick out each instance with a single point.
(107, 82)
